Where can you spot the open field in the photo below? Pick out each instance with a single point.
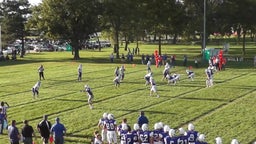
(227, 109)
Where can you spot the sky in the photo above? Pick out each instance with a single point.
(34, 2)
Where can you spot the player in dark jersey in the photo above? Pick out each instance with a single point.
(145, 136)
(182, 138)
(110, 125)
(101, 126)
(190, 74)
(192, 134)
(158, 134)
(171, 139)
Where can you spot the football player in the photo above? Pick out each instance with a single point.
(110, 125)
(90, 95)
(153, 87)
(101, 126)
(182, 138)
(192, 134)
(147, 78)
(35, 89)
(145, 136)
(190, 74)
(171, 139)
(122, 69)
(116, 81)
(209, 77)
(158, 134)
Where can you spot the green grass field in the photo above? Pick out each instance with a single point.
(227, 109)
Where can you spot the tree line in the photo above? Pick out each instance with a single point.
(129, 20)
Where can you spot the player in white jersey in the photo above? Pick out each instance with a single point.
(147, 78)
(149, 66)
(173, 78)
(209, 77)
(116, 81)
(35, 89)
(90, 95)
(153, 87)
(101, 126)
(79, 70)
(122, 69)
(190, 74)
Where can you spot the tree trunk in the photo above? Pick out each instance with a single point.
(116, 45)
(243, 49)
(126, 43)
(22, 46)
(159, 45)
(174, 41)
(98, 39)
(75, 48)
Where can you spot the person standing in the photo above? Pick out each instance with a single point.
(4, 106)
(27, 133)
(90, 95)
(58, 131)
(41, 72)
(13, 133)
(44, 129)
(80, 69)
(142, 119)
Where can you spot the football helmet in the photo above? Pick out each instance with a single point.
(181, 131)
(201, 138)
(171, 132)
(234, 141)
(166, 128)
(110, 116)
(124, 126)
(218, 140)
(157, 126)
(191, 127)
(136, 126)
(105, 115)
(144, 127)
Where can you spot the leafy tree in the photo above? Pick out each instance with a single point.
(70, 20)
(13, 19)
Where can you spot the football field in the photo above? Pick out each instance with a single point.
(226, 110)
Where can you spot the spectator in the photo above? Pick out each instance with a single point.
(173, 58)
(122, 57)
(44, 129)
(142, 119)
(4, 106)
(58, 131)
(27, 133)
(185, 60)
(111, 57)
(142, 59)
(196, 63)
(1, 121)
(13, 133)
(41, 72)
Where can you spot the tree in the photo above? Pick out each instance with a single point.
(13, 19)
(70, 20)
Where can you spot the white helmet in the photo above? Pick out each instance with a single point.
(110, 116)
(161, 124)
(105, 115)
(166, 128)
(124, 126)
(144, 127)
(171, 132)
(191, 126)
(201, 138)
(182, 131)
(218, 140)
(86, 86)
(234, 141)
(157, 126)
(136, 126)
